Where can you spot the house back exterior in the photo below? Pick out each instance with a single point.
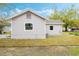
(29, 25)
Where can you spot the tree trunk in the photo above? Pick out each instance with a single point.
(0, 32)
(66, 26)
(66, 29)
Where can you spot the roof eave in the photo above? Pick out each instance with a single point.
(25, 12)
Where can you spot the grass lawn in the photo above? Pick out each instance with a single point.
(65, 39)
(74, 51)
(66, 44)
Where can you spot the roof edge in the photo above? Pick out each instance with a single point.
(24, 11)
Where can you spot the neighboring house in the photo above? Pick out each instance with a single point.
(29, 25)
(7, 28)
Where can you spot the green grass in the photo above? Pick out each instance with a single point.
(74, 33)
(74, 51)
(65, 39)
(66, 44)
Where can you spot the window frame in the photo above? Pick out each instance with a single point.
(51, 27)
(30, 27)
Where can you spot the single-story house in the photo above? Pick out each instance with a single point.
(29, 25)
(7, 29)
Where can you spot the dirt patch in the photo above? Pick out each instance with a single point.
(37, 51)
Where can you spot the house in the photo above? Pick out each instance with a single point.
(29, 25)
(7, 29)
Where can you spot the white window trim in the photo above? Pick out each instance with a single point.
(24, 26)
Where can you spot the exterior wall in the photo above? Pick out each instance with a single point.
(18, 28)
(57, 29)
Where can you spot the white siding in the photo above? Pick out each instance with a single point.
(57, 29)
(18, 28)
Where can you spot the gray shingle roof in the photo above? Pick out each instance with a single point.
(54, 22)
(46, 19)
(24, 11)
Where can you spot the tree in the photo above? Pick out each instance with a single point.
(3, 21)
(66, 15)
(75, 23)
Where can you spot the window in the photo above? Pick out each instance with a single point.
(51, 27)
(28, 15)
(28, 26)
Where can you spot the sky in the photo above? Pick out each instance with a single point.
(44, 9)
